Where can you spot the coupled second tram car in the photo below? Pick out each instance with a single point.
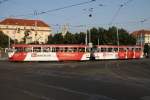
(118, 52)
(64, 52)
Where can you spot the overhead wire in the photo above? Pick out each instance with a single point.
(118, 11)
(78, 4)
(52, 10)
(2, 1)
(61, 8)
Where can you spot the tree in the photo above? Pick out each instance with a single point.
(50, 39)
(125, 38)
(58, 39)
(4, 40)
(105, 36)
(94, 35)
(69, 38)
(79, 38)
(112, 35)
(146, 50)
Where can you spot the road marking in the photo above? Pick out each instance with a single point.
(91, 96)
(145, 98)
(36, 96)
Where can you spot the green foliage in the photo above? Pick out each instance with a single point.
(80, 38)
(3, 40)
(50, 39)
(105, 36)
(69, 38)
(146, 48)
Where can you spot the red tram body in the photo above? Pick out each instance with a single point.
(76, 52)
(61, 52)
(118, 52)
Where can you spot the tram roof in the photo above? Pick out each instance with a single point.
(51, 45)
(120, 46)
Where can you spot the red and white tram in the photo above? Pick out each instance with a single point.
(61, 52)
(117, 52)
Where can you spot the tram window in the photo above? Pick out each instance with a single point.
(121, 49)
(81, 49)
(61, 49)
(65, 49)
(10, 50)
(70, 49)
(57, 49)
(129, 49)
(115, 49)
(53, 49)
(96, 50)
(132, 49)
(47, 49)
(28, 49)
(136, 49)
(103, 49)
(19, 49)
(36, 49)
(87, 49)
(75, 50)
(109, 49)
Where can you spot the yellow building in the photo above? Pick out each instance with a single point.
(30, 30)
(142, 37)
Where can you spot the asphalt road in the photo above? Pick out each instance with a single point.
(94, 80)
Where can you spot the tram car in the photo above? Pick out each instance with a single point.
(57, 52)
(101, 52)
(75, 52)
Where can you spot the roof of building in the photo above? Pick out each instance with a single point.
(23, 22)
(139, 32)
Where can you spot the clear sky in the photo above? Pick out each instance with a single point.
(129, 16)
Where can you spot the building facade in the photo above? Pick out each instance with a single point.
(27, 31)
(142, 37)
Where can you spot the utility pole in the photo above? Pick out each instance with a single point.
(8, 42)
(89, 36)
(35, 29)
(141, 39)
(15, 35)
(86, 41)
(98, 41)
(117, 38)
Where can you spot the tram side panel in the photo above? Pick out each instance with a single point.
(65, 56)
(18, 56)
(105, 55)
(86, 56)
(41, 56)
(115, 52)
(48, 53)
